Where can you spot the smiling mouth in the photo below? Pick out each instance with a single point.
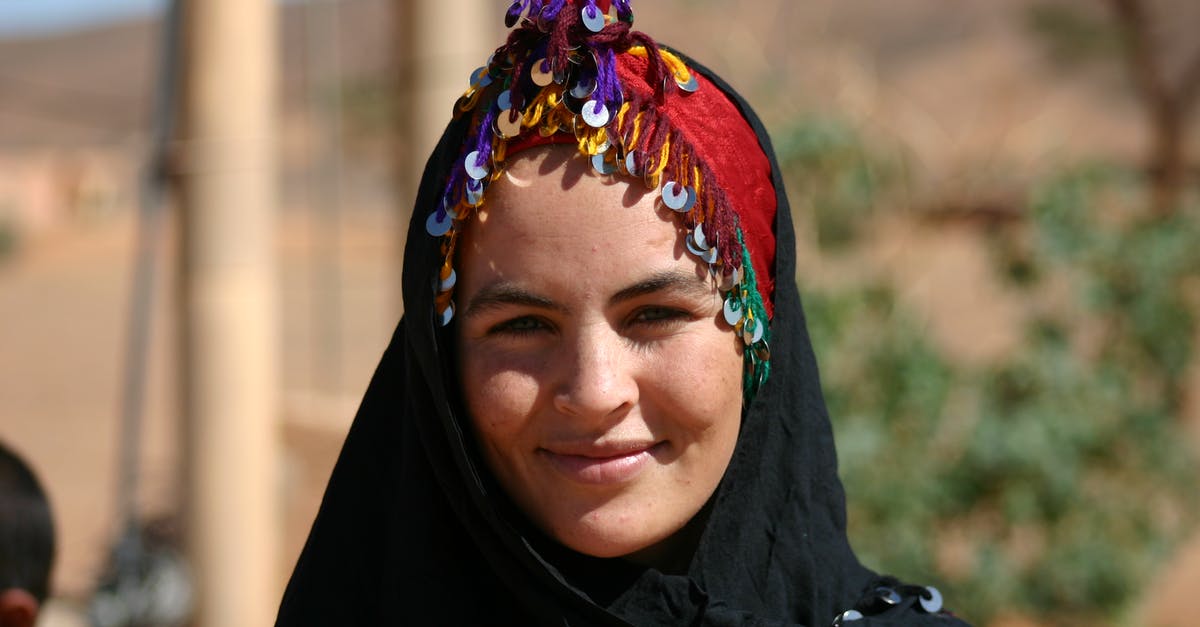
(602, 466)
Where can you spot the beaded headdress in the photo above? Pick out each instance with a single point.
(571, 72)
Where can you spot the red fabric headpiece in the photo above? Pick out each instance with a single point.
(720, 136)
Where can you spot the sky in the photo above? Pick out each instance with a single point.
(20, 18)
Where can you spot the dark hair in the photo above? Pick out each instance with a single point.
(26, 528)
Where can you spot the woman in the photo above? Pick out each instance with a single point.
(600, 408)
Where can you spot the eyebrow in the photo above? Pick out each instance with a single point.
(667, 280)
(505, 293)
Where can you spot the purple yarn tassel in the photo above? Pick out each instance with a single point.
(483, 138)
(451, 195)
(552, 9)
(608, 85)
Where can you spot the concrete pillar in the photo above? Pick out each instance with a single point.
(453, 37)
(440, 43)
(229, 301)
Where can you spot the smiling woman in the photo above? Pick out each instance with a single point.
(577, 357)
(601, 407)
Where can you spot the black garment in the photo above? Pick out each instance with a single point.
(413, 530)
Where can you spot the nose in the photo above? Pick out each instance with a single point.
(597, 377)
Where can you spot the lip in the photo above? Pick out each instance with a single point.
(601, 465)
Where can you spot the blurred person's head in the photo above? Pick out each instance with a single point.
(26, 542)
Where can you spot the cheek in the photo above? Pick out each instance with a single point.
(498, 398)
(724, 370)
(704, 396)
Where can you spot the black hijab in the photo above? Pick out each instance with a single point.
(413, 530)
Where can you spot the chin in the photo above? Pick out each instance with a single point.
(608, 546)
(609, 535)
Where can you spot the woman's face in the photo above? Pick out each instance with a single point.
(602, 381)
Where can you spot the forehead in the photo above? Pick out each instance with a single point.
(559, 170)
(549, 213)
(552, 191)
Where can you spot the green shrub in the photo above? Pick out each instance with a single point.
(834, 175)
(1051, 484)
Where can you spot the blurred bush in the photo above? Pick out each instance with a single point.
(837, 177)
(1055, 481)
(1074, 35)
(8, 237)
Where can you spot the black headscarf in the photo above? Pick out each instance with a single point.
(414, 530)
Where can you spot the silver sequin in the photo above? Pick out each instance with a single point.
(476, 170)
(733, 311)
(481, 77)
(448, 283)
(933, 604)
(448, 314)
(540, 73)
(630, 165)
(595, 113)
(595, 21)
(438, 227)
(602, 165)
(677, 197)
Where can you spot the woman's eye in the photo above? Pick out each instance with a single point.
(524, 325)
(658, 315)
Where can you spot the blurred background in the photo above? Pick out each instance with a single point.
(202, 212)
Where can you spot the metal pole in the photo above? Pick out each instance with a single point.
(137, 586)
(325, 181)
(150, 235)
(230, 322)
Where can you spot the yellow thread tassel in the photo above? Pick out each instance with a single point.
(592, 140)
(663, 156)
(499, 154)
(469, 100)
(678, 67)
(636, 135)
(621, 122)
(546, 101)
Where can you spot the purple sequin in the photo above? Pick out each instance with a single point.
(624, 11)
(514, 12)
